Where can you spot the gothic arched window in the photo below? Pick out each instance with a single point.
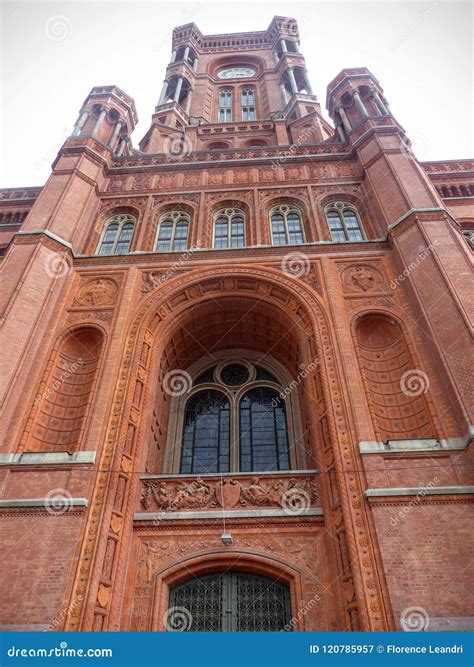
(344, 223)
(225, 106)
(248, 104)
(229, 228)
(117, 235)
(242, 399)
(286, 225)
(173, 230)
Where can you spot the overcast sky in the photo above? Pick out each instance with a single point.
(54, 53)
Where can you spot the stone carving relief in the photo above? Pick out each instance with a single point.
(361, 278)
(175, 495)
(98, 292)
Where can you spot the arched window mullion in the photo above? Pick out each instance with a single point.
(344, 222)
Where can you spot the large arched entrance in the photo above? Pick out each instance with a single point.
(232, 601)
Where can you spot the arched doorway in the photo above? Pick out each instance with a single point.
(232, 601)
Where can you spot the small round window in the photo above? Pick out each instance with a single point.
(234, 375)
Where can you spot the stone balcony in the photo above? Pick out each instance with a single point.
(240, 495)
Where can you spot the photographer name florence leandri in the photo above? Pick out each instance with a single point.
(454, 648)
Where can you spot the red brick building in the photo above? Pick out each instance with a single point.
(237, 360)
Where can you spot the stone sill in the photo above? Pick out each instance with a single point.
(47, 458)
(416, 445)
(420, 491)
(229, 514)
(48, 503)
(271, 473)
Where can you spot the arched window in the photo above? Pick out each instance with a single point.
(286, 225)
(239, 398)
(173, 232)
(230, 601)
(248, 104)
(263, 431)
(205, 446)
(344, 223)
(229, 228)
(225, 106)
(118, 235)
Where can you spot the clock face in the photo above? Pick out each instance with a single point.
(236, 73)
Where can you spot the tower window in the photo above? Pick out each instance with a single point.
(173, 232)
(286, 225)
(118, 235)
(225, 106)
(229, 228)
(248, 104)
(344, 223)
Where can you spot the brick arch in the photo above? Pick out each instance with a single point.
(294, 200)
(101, 220)
(159, 210)
(235, 60)
(100, 580)
(217, 561)
(395, 385)
(59, 414)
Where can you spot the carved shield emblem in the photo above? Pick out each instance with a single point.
(228, 493)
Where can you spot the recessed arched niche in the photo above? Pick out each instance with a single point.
(64, 403)
(395, 385)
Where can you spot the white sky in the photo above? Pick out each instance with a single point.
(420, 52)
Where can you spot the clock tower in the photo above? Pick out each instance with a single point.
(240, 81)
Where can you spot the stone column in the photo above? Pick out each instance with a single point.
(340, 131)
(116, 132)
(283, 46)
(177, 90)
(122, 144)
(173, 56)
(307, 83)
(187, 105)
(291, 77)
(195, 63)
(381, 106)
(297, 47)
(360, 105)
(80, 122)
(344, 118)
(284, 94)
(102, 115)
(164, 91)
(186, 53)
